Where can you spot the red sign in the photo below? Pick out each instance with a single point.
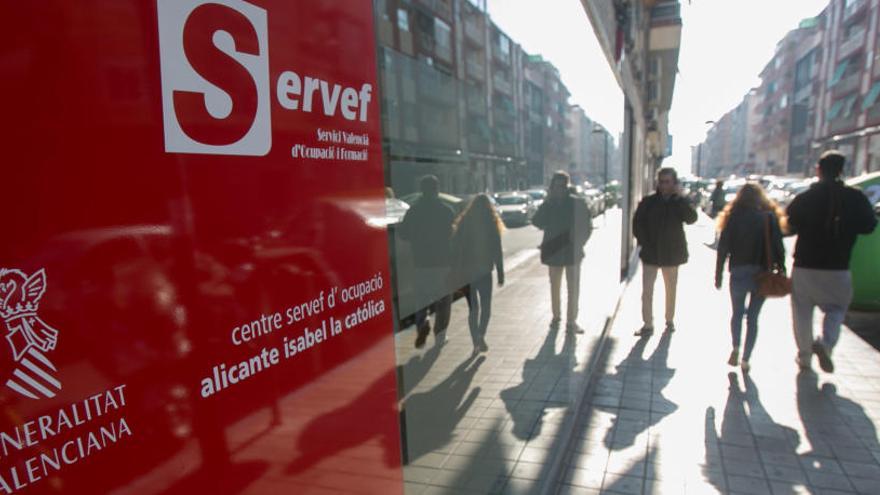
(194, 289)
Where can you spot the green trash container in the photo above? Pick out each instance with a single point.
(865, 262)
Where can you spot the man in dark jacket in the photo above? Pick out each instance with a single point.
(567, 224)
(827, 219)
(658, 226)
(428, 228)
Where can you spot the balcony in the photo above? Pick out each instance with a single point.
(442, 7)
(502, 83)
(804, 93)
(500, 56)
(854, 7)
(853, 43)
(475, 69)
(843, 124)
(663, 13)
(846, 85)
(473, 31)
(443, 52)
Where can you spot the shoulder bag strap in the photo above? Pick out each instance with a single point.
(767, 242)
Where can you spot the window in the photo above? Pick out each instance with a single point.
(382, 8)
(549, 121)
(783, 102)
(504, 45)
(402, 20)
(442, 37)
(803, 70)
(771, 88)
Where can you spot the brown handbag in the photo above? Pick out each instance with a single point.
(772, 282)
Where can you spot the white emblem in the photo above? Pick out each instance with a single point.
(29, 336)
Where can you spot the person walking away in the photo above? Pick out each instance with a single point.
(567, 224)
(744, 224)
(827, 218)
(428, 228)
(476, 241)
(717, 200)
(658, 225)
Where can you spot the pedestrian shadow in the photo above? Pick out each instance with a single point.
(526, 423)
(351, 425)
(409, 375)
(749, 445)
(432, 416)
(651, 375)
(836, 427)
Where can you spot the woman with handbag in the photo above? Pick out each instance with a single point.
(751, 236)
(476, 240)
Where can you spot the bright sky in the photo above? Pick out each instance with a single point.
(564, 36)
(724, 46)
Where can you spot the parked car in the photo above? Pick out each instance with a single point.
(516, 208)
(595, 200)
(538, 196)
(449, 200)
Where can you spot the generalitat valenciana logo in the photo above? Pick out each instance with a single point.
(29, 337)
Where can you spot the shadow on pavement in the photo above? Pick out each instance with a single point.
(433, 415)
(751, 446)
(527, 423)
(348, 426)
(651, 375)
(838, 430)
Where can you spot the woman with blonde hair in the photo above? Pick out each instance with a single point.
(744, 225)
(477, 249)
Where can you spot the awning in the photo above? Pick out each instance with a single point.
(838, 73)
(835, 110)
(871, 97)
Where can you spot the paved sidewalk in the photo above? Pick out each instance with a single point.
(669, 416)
(496, 422)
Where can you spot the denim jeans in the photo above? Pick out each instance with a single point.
(480, 306)
(742, 283)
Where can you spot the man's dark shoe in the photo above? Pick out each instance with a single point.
(670, 327)
(825, 361)
(644, 331)
(422, 334)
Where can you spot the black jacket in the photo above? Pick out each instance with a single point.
(428, 228)
(827, 218)
(743, 240)
(659, 228)
(567, 225)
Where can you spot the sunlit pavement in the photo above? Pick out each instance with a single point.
(495, 422)
(669, 416)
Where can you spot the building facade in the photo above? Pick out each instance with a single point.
(819, 91)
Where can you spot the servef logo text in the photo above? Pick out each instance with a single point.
(215, 77)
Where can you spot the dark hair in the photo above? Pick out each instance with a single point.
(831, 164)
(479, 209)
(561, 174)
(429, 185)
(752, 196)
(667, 171)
